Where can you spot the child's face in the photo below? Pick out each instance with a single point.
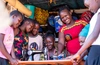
(92, 5)
(29, 27)
(49, 43)
(66, 16)
(35, 30)
(16, 21)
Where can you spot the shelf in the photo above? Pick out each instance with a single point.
(79, 11)
(44, 25)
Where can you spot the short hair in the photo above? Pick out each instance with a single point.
(29, 20)
(36, 22)
(49, 34)
(16, 13)
(63, 8)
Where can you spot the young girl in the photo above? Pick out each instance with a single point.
(93, 37)
(21, 38)
(69, 32)
(7, 38)
(50, 44)
(35, 41)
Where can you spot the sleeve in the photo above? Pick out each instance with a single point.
(83, 22)
(3, 31)
(85, 31)
(41, 44)
(86, 16)
(62, 28)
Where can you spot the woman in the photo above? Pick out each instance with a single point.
(69, 32)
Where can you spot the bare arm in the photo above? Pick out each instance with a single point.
(12, 52)
(41, 44)
(61, 42)
(3, 49)
(92, 37)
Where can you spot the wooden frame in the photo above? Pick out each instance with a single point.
(51, 62)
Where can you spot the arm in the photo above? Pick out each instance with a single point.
(41, 44)
(92, 37)
(61, 42)
(85, 31)
(4, 51)
(83, 34)
(12, 52)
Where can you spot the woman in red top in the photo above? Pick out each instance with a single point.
(69, 32)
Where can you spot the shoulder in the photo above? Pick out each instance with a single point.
(62, 28)
(78, 22)
(6, 30)
(39, 36)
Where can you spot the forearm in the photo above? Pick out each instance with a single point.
(12, 52)
(4, 51)
(84, 53)
(60, 48)
(87, 44)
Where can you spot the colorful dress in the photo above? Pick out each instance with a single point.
(71, 35)
(20, 42)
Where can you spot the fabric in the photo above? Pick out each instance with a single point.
(58, 23)
(93, 56)
(20, 42)
(3, 61)
(8, 40)
(85, 31)
(92, 25)
(71, 35)
(86, 16)
(35, 43)
(50, 55)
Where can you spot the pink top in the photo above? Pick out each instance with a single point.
(8, 40)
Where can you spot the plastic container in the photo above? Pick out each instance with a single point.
(32, 8)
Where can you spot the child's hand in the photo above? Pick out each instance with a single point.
(81, 40)
(76, 58)
(13, 61)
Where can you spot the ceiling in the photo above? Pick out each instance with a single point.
(45, 4)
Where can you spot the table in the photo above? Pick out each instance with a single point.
(51, 62)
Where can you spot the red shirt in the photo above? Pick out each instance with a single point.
(71, 36)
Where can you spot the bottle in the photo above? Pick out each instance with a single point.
(45, 53)
(55, 57)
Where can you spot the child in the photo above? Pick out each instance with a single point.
(21, 38)
(35, 41)
(7, 38)
(50, 44)
(93, 37)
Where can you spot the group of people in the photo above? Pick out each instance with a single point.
(77, 36)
